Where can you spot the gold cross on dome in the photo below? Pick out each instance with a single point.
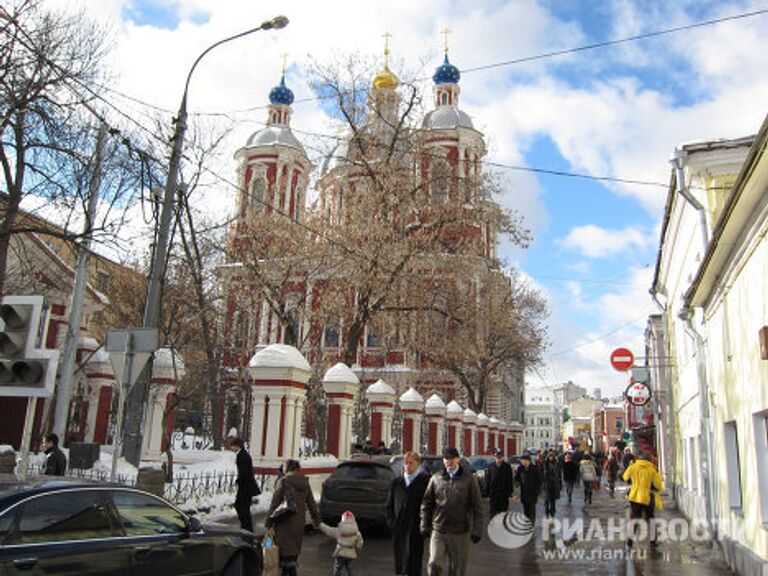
(285, 59)
(445, 32)
(386, 37)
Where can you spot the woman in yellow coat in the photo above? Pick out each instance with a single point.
(645, 489)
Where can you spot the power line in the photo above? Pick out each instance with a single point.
(542, 56)
(606, 43)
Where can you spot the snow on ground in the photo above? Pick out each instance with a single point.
(197, 464)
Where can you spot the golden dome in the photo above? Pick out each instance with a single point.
(386, 79)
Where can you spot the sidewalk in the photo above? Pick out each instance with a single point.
(585, 540)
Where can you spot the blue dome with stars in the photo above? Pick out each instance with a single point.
(281, 94)
(446, 73)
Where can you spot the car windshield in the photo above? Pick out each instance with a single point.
(480, 463)
(362, 472)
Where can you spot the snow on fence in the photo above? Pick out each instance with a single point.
(187, 489)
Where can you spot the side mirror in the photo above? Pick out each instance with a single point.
(194, 524)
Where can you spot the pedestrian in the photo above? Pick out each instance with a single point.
(55, 460)
(500, 484)
(528, 478)
(588, 476)
(627, 459)
(247, 488)
(289, 530)
(553, 483)
(644, 498)
(404, 515)
(599, 463)
(349, 541)
(451, 516)
(570, 475)
(612, 472)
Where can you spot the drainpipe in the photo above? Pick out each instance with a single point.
(678, 162)
(705, 446)
(686, 314)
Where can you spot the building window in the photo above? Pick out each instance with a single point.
(258, 192)
(331, 337)
(733, 465)
(760, 425)
(619, 424)
(440, 181)
(372, 339)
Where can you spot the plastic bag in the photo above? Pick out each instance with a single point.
(271, 554)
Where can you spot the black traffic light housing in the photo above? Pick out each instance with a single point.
(26, 368)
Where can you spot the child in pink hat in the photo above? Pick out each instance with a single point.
(349, 541)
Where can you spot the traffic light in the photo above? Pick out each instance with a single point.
(25, 369)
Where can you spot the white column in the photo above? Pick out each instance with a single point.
(412, 409)
(279, 373)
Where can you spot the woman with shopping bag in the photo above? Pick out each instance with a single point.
(286, 514)
(270, 554)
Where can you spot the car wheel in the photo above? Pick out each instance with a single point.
(238, 565)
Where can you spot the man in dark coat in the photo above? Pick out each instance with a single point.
(55, 460)
(403, 515)
(246, 484)
(500, 484)
(451, 516)
(552, 483)
(527, 476)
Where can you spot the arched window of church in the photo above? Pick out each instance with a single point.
(291, 334)
(440, 184)
(258, 194)
(444, 98)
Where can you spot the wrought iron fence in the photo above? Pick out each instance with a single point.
(89, 474)
(190, 487)
(184, 489)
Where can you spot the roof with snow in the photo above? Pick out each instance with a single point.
(469, 413)
(341, 373)
(279, 356)
(435, 401)
(454, 407)
(411, 395)
(380, 387)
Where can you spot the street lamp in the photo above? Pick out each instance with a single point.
(136, 401)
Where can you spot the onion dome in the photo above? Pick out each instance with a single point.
(386, 79)
(446, 73)
(281, 94)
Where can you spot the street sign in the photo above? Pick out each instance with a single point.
(139, 342)
(622, 359)
(638, 394)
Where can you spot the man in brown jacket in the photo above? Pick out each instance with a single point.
(451, 516)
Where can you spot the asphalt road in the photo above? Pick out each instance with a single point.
(570, 558)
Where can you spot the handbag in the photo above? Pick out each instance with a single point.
(270, 554)
(286, 508)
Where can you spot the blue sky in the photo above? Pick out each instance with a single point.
(615, 112)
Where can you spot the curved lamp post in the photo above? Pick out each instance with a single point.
(132, 439)
(157, 270)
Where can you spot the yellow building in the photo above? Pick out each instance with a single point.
(712, 281)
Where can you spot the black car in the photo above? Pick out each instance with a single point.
(360, 485)
(430, 464)
(479, 466)
(76, 528)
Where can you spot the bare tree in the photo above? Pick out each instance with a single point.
(47, 60)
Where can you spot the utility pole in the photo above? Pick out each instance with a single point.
(137, 396)
(64, 388)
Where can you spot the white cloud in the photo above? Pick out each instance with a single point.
(596, 242)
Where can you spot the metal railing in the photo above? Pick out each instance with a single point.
(184, 489)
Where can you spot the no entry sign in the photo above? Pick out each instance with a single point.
(622, 359)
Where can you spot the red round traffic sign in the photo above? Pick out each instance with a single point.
(622, 359)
